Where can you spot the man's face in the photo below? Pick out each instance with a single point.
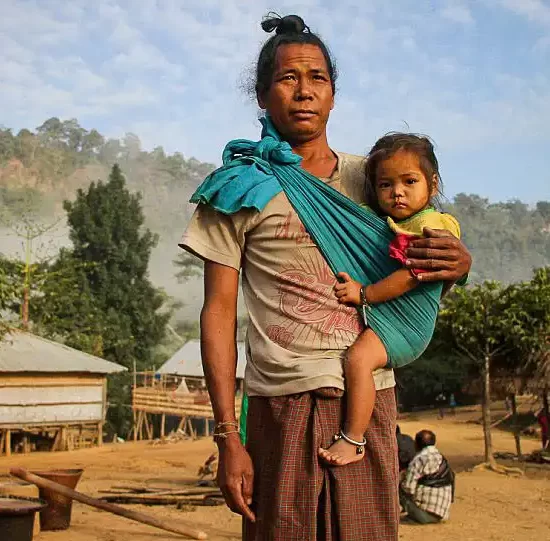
(300, 97)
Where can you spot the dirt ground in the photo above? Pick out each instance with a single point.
(488, 506)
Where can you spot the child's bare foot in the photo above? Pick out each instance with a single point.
(341, 453)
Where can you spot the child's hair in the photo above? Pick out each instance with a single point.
(390, 144)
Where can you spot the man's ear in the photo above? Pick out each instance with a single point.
(261, 100)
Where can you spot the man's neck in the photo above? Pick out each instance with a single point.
(318, 158)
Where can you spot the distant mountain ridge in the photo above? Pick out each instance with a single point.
(42, 168)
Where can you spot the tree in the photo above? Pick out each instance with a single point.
(10, 290)
(189, 266)
(7, 145)
(475, 322)
(92, 142)
(106, 229)
(51, 132)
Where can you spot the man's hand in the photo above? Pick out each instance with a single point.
(348, 292)
(440, 253)
(236, 476)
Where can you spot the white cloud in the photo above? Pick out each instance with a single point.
(457, 12)
(535, 11)
(169, 70)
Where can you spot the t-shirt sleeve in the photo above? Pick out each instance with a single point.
(439, 220)
(217, 237)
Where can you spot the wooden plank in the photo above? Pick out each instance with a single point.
(42, 379)
(38, 404)
(45, 426)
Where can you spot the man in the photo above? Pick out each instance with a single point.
(406, 449)
(440, 401)
(427, 491)
(298, 332)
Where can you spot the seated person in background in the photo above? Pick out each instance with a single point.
(406, 449)
(427, 491)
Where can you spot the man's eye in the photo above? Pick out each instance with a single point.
(412, 180)
(288, 78)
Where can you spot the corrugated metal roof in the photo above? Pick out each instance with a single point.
(25, 352)
(187, 361)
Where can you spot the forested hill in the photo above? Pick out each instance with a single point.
(48, 165)
(45, 166)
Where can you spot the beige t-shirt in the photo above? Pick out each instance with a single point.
(298, 331)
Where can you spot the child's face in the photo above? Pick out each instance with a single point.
(401, 187)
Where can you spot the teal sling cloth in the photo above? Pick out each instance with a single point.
(351, 238)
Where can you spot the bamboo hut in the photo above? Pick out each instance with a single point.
(178, 390)
(52, 397)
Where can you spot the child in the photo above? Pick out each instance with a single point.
(402, 180)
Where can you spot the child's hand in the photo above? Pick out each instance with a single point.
(348, 292)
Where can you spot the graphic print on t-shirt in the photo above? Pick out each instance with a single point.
(305, 293)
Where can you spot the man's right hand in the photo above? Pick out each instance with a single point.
(236, 476)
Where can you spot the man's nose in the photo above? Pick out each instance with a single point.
(304, 90)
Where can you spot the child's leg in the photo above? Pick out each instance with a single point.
(363, 357)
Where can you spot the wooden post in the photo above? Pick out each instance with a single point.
(8, 442)
(162, 426)
(138, 426)
(64, 446)
(181, 426)
(100, 433)
(515, 425)
(26, 445)
(206, 427)
(2, 441)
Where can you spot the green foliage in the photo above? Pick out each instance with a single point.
(475, 321)
(440, 369)
(529, 332)
(106, 229)
(188, 266)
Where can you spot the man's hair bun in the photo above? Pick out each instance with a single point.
(289, 24)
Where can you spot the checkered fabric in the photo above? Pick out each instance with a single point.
(297, 498)
(436, 500)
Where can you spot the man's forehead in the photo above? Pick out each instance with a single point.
(303, 56)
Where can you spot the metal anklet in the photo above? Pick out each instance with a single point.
(359, 445)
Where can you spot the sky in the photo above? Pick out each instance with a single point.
(473, 75)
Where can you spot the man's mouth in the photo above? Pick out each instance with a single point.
(303, 114)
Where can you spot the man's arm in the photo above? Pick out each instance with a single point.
(218, 344)
(219, 359)
(414, 473)
(443, 255)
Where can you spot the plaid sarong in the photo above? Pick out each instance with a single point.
(297, 498)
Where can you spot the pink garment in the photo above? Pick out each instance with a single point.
(398, 249)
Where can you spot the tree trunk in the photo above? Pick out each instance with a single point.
(545, 402)
(486, 408)
(515, 424)
(25, 308)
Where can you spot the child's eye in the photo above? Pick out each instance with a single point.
(412, 180)
(383, 185)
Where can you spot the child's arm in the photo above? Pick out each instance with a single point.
(396, 284)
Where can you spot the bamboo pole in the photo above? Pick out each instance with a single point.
(162, 524)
